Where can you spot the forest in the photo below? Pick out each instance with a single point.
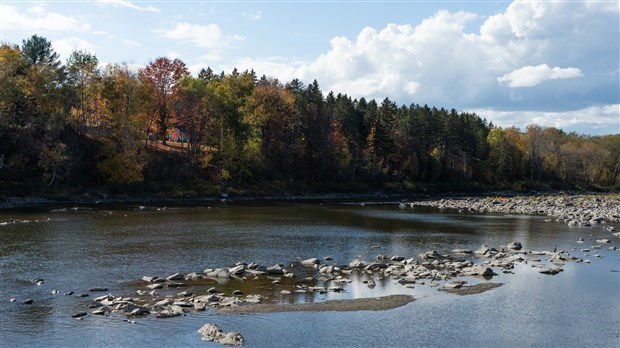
(78, 127)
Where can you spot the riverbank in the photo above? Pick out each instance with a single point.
(430, 199)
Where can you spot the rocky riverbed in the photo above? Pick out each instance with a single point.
(573, 210)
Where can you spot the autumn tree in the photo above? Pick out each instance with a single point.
(163, 75)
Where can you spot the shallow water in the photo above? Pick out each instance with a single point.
(76, 249)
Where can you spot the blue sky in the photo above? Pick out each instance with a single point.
(554, 63)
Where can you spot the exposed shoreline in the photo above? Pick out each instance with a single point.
(358, 304)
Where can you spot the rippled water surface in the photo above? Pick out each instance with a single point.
(76, 249)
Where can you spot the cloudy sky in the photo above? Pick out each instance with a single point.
(554, 63)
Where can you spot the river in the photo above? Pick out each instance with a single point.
(74, 249)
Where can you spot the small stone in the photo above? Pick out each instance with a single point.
(27, 301)
(285, 292)
(79, 315)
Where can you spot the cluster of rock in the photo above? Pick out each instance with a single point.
(573, 210)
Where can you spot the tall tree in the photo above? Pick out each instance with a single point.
(164, 76)
(82, 70)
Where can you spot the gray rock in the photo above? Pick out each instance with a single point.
(514, 246)
(212, 333)
(310, 262)
(275, 270)
(98, 289)
(176, 276)
(218, 273)
(237, 270)
(551, 271)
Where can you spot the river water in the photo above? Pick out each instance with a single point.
(74, 249)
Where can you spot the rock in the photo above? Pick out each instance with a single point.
(462, 251)
(206, 298)
(371, 283)
(163, 303)
(375, 266)
(275, 270)
(328, 269)
(27, 301)
(176, 276)
(551, 271)
(310, 262)
(514, 246)
(478, 270)
(212, 290)
(79, 315)
(285, 292)
(237, 292)
(176, 285)
(100, 311)
(171, 311)
(253, 299)
(212, 333)
(199, 306)
(327, 258)
(237, 270)
(68, 293)
(358, 264)
(483, 250)
(603, 241)
(97, 289)
(231, 339)
(218, 273)
(193, 276)
(155, 286)
(454, 285)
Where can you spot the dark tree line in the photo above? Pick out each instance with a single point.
(79, 127)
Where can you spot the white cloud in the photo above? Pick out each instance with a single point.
(65, 47)
(252, 15)
(595, 120)
(39, 19)
(204, 36)
(127, 4)
(437, 62)
(530, 76)
(130, 43)
(412, 87)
